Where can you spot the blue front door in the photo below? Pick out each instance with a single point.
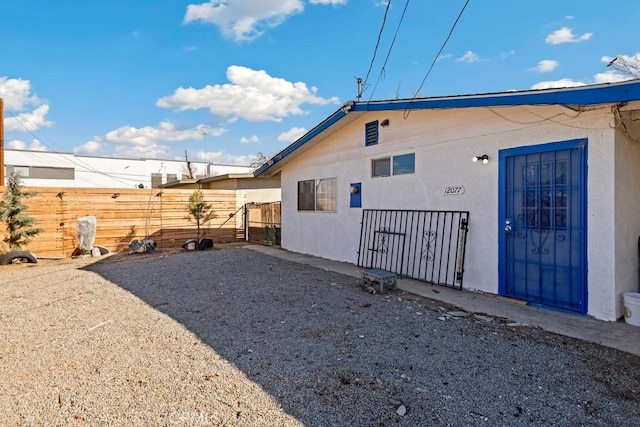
(542, 224)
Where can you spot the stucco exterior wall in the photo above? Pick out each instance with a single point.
(627, 218)
(444, 142)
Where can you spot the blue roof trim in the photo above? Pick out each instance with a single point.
(573, 96)
(581, 95)
(327, 123)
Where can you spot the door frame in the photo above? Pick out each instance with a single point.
(582, 145)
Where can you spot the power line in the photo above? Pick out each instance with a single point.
(375, 50)
(404, 11)
(75, 162)
(437, 56)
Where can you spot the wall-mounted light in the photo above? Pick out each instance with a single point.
(483, 158)
(384, 123)
(354, 189)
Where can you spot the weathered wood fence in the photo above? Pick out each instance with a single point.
(123, 215)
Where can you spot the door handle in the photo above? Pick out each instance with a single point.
(507, 225)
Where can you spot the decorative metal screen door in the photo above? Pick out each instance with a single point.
(542, 224)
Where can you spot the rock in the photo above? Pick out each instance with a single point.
(402, 410)
(458, 314)
(442, 318)
(483, 318)
(395, 402)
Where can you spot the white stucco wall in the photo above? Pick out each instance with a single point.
(444, 142)
(627, 218)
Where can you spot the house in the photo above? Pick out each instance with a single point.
(533, 194)
(54, 169)
(248, 190)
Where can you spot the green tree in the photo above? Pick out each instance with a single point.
(200, 212)
(20, 226)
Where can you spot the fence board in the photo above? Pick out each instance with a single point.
(121, 216)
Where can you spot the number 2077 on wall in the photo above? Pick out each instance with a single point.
(453, 190)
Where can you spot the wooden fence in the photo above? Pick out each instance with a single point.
(123, 215)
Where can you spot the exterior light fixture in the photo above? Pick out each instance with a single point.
(384, 123)
(354, 189)
(483, 158)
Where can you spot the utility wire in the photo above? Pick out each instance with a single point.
(76, 162)
(453, 27)
(375, 50)
(404, 11)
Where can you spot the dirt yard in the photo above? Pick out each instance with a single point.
(236, 338)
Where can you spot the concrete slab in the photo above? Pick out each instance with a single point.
(618, 335)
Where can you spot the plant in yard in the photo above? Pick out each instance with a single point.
(19, 225)
(200, 212)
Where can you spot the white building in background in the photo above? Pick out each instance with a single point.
(50, 169)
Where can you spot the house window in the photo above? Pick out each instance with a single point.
(172, 177)
(371, 133)
(317, 195)
(404, 164)
(156, 180)
(381, 167)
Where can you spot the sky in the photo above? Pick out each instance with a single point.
(226, 80)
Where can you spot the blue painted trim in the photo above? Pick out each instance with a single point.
(355, 199)
(582, 95)
(574, 96)
(502, 176)
(327, 123)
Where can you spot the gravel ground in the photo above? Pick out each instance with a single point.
(237, 338)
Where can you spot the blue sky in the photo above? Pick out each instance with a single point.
(232, 78)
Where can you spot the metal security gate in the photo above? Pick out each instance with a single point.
(543, 222)
(421, 245)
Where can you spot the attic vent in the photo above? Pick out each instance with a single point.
(371, 133)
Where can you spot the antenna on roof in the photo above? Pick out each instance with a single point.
(361, 87)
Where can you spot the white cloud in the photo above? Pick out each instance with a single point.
(324, 2)
(469, 57)
(35, 145)
(292, 134)
(17, 97)
(243, 20)
(223, 158)
(546, 65)
(89, 147)
(129, 141)
(565, 35)
(16, 145)
(610, 77)
(557, 84)
(28, 122)
(252, 95)
(251, 140)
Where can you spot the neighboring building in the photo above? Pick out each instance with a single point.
(248, 188)
(50, 169)
(551, 198)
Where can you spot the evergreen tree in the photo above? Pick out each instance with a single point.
(200, 212)
(20, 226)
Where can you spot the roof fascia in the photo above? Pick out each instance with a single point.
(580, 96)
(618, 92)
